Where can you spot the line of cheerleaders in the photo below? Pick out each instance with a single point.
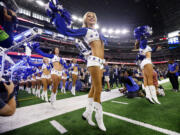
(62, 19)
(46, 75)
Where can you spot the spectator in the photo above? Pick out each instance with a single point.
(111, 77)
(173, 69)
(8, 20)
(106, 76)
(130, 85)
(116, 75)
(7, 99)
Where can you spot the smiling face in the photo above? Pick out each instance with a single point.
(74, 61)
(56, 51)
(45, 60)
(90, 20)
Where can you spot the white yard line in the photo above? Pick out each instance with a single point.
(158, 129)
(119, 102)
(58, 126)
(30, 114)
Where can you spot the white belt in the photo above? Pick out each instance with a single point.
(97, 59)
(56, 72)
(46, 76)
(74, 73)
(38, 78)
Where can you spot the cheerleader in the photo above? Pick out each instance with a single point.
(33, 82)
(141, 34)
(46, 78)
(65, 76)
(28, 84)
(21, 84)
(61, 19)
(36, 77)
(38, 81)
(56, 72)
(74, 68)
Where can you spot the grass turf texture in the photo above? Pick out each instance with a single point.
(165, 116)
(25, 99)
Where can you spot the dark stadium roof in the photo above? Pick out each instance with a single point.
(123, 13)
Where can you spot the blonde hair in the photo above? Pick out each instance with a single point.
(85, 16)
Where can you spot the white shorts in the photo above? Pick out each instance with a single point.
(56, 72)
(107, 78)
(95, 61)
(33, 79)
(64, 78)
(74, 73)
(46, 76)
(145, 62)
(38, 78)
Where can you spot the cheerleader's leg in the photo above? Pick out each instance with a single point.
(87, 115)
(96, 74)
(55, 81)
(149, 74)
(73, 90)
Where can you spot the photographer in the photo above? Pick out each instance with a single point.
(7, 99)
(173, 69)
(8, 21)
(131, 86)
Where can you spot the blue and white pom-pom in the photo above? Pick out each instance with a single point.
(53, 7)
(143, 31)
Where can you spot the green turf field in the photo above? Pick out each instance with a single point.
(166, 115)
(26, 99)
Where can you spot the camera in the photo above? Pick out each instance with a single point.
(3, 92)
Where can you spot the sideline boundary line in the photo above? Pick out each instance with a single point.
(158, 129)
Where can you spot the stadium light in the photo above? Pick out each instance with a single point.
(117, 31)
(104, 30)
(96, 26)
(80, 19)
(125, 31)
(110, 31)
(39, 2)
(74, 17)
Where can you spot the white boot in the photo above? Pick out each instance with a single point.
(64, 91)
(36, 93)
(33, 91)
(39, 93)
(73, 91)
(42, 95)
(87, 115)
(29, 90)
(148, 95)
(53, 98)
(50, 87)
(153, 94)
(99, 116)
(46, 96)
